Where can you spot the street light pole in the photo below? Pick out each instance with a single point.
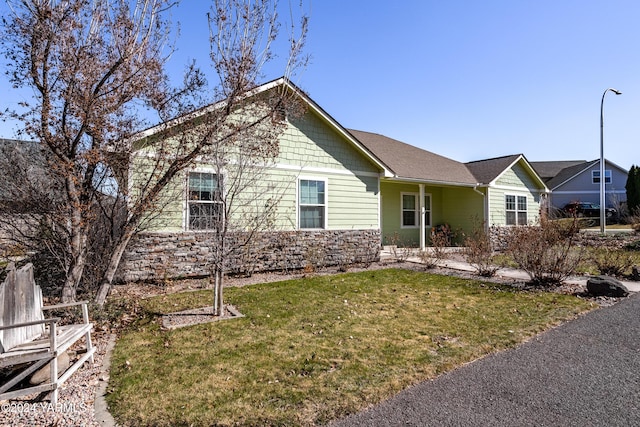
(603, 219)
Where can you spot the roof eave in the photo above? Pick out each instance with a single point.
(435, 182)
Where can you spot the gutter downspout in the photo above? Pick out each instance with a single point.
(485, 207)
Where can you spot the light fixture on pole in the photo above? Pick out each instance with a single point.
(603, 219)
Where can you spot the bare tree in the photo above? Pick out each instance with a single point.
(92, 64)
(238, 134)
(89, 63)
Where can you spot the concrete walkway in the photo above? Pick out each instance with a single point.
(510, 273)
(583, 373)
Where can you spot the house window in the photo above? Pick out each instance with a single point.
(411, 210)
(427, 210)
(312, 203)
(595, 177)
(516, 210)
(205, 201)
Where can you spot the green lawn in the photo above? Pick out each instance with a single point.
(315, 349)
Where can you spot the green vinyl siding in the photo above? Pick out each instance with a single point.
(517, 176)
(497, 205)
(167, 214)
(456, 206)
(309, 147)
(309, 142)
(519, 183)
(353, 202)
(462, 209)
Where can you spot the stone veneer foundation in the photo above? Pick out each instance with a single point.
(160, 256)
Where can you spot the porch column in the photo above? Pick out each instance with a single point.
(421, 222)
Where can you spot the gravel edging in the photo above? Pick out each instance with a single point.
(76, 398)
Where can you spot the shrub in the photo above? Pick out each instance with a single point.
(440, 240)
(546, 252)
(478, 251)
(634, 220)
(400, 250)
(612, 262)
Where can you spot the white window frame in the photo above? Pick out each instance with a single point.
(325, 205)
(517, 209)
(189, 201)
(596, 179)
(427, 208)
(416, 210)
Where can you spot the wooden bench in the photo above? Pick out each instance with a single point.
(29, 341)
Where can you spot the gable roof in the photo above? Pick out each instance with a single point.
(550, 169)
(288, 85)
(571, 172)
(488, 170)
(412, 163)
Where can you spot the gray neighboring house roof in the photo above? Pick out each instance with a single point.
(550, 169)
(568, 173)
(487, 170)
(412, 163)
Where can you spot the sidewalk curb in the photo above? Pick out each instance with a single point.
(103, 417)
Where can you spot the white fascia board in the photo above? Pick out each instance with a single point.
(203, 111)
(580, 172)
(529, 168)
(342, 131)
(434, 182)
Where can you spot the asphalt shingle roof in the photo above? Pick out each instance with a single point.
(568, 173)
(487, 170)
(407, 161)
(550, 169)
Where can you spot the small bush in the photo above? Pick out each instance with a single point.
(547, 252)
(478, 251)
(440, 240)
(612, 262)
(633, 246)
(400, 249)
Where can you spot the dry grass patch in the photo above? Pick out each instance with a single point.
(312, 350)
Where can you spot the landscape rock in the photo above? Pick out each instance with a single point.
(635, 273)
(44, 374)
(606, 286)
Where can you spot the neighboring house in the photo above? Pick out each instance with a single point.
(347, 193)
(579, 181)
(514, 193)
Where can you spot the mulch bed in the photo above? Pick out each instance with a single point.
(198, 316)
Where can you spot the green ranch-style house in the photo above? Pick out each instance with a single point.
(345, 193)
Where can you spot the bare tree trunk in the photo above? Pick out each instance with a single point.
(70, 287)
(112, 268)
(78, 243)
(218, 301)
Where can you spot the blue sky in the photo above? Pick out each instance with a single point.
(465, 79)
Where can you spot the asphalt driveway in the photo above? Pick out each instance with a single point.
(584, 373)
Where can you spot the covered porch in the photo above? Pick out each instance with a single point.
(410, 209)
